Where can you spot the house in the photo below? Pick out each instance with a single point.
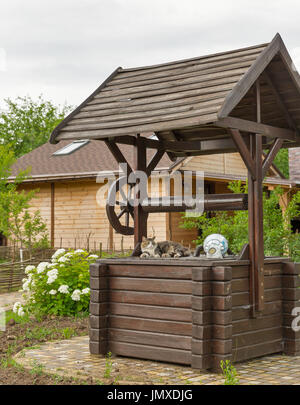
(66, 176)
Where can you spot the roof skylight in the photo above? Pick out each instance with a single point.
(72, 147)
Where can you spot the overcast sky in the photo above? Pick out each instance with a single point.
(65, 48)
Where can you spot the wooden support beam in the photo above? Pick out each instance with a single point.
(140, 217)
(271, 156)
(52, 215)
(244, 151)
(251, 227)
(256, 128)
(258, 258)
(154, 161)
(258, 220)
(117, 154)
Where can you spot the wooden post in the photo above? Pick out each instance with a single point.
(251, 226)
(52, 215)
(140, 219)
(258, 212)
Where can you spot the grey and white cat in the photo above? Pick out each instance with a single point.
(151, 248)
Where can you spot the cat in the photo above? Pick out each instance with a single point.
(150, 248)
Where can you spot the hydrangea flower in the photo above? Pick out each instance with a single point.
(79, 251)
(63, 259)
(52, 276)
(29, 268)
(64, 289)
(16, 307)
(21, 312)
(58, 253)
(69, 254)
(52, 292)
(86, 291)
(76, 295)
(41, 267)
(26, 285)
(93, 257)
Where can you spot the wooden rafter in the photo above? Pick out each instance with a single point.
(280, 102)
(256, 128)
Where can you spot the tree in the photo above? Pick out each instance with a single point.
(16, 220)
(26, 124)
(282, 161)
(279, 240)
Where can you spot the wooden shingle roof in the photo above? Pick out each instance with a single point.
(184, 97)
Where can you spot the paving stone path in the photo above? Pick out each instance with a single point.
(7, 300)
(72, 358)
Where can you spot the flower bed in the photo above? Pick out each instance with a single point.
(59, 287)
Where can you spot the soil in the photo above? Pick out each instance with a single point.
(19, 336)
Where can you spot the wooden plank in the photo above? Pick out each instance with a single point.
(261, 349)
(78, 126)
(159, 126)
(180, 73)
(150, 325)
(206, 80)
(212, 90)
(151, 271)
(148, 113)
(151, 298)
(152, 312)
(257, 336)
(243, 312)
(176, 89)
(214, 59)
(250, 325)
(150, 352)
(150, 338)
(142, 105)
(150, 284)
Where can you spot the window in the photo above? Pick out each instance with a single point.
(72, 147)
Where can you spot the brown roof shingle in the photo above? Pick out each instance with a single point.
(88, 160)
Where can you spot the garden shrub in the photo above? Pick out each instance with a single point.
(59, 287)
(279, 240)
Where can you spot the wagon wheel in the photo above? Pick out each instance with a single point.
(120, 205)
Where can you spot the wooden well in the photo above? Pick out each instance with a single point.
(193, 312)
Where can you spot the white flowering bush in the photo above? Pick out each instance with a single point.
(59, 287)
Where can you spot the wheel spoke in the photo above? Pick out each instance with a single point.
(121, 213)
(127, 218)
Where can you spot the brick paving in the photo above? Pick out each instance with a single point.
(72, 358)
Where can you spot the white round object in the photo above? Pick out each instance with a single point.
(215, 244)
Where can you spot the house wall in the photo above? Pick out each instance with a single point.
(79, 218)
(226, 163)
